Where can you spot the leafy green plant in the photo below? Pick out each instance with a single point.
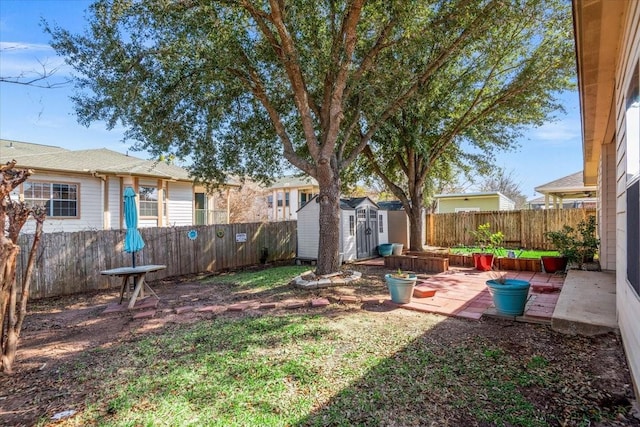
(590, 243)
(578, 245)
(486, 240)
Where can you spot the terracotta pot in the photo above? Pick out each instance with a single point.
(483, 261)
(551, 264)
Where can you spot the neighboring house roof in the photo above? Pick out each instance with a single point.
(101, 161)
(540, 200)
(469, 195)
(292, 181)
(568, 186)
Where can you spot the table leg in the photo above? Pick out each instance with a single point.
(125, 280)
(139, 278)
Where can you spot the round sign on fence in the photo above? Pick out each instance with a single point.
(192, 234)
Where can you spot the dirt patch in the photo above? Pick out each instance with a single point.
(58, 331)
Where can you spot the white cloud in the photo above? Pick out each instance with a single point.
(557, 132)
(8, 48)
(29, 60)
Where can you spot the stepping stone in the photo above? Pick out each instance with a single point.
(267, 305)
(144, 314)
(185, 309)
(211, 309)
(295, 304)
(372, 300)
(349, 299)
(238, 307)
(320, 302)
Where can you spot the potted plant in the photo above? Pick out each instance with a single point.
(488, 243)
(574, 246)
(565, 242)
(509, 295)
(400, 285)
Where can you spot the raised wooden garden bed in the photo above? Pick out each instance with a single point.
(423, 264)
(502, 263)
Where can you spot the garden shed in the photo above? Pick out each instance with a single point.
(363, 226)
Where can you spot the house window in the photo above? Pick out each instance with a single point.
(148, 200)
(286, 198)
(352, 225)
(60, 200)
(280, 199)
(380, 225)
(633, 182)
(270, 202)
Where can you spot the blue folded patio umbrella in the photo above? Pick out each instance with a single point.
(132, 240)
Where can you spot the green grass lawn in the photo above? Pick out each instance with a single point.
(336, 367)
(520, 253)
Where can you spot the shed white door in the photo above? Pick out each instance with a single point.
(366, 232)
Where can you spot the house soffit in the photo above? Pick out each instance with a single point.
(598, 28)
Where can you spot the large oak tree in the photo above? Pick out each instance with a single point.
(237, 85)
(481, 100)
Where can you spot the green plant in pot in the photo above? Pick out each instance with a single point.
(574, 246)
(401, 285)
(489, 243)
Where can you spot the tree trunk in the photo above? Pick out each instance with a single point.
(416, 236)
(329, 200)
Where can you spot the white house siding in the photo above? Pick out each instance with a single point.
(628, 302)
(308, 236)
(116, 202)
(90, 207)
(506, 204)
(607, 207)
(180, 204)
(347, 242)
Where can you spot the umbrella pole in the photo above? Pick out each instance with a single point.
(133, 258)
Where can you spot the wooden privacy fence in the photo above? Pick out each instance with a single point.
(522, 229)
(71, 262)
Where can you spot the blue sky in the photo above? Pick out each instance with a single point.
(46, 116)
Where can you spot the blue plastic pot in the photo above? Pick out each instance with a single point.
(385, 249)
(509, 297)
(401, 288)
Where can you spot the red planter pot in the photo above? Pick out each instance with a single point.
(552, 264)
(483, 262)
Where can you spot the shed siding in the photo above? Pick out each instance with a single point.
(347, 242)
(383, 237)
(308, 235)
(398, 228)
(628, 302)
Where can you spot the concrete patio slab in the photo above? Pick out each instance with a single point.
(587, 304)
